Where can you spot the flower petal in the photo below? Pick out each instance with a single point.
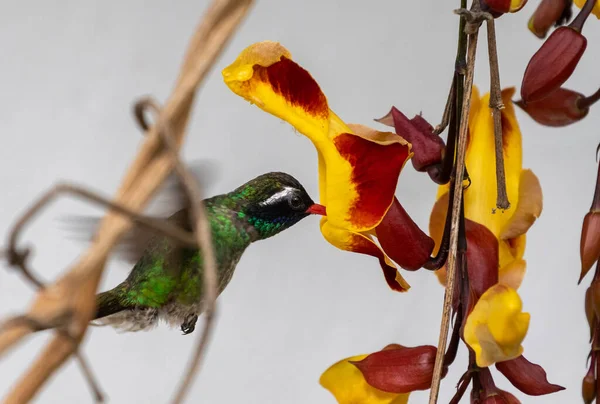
(529, 206)
(527, 377)
(512, 274)
(496, 326)
(358, 172)
(402, 239)
(480, 196)
(363, 244)
(348, 385)
(361, 178)
(265, 75)
(482, 251)
(482, 257)
(399, 370)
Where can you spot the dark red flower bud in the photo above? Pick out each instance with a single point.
(589, 247)
(399, 370)
(552, 64)
(548, 13)
(590, 313)
(588, 386)
(560, 108)
(527, 377)
(595, 296)
(402, 239)
(426, 145)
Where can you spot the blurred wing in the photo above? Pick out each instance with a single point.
(171, 203)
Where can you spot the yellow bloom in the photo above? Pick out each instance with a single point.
(358, 166)
(523, 188)
(595, 11)
(496, 326)
(348, 385)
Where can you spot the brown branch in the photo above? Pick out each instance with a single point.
(18, 257)
(76, 289)
(457, 183)
(203, 234)
(497, 106)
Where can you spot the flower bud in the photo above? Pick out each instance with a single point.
(399, 370)
(558, 109)
(426, 145)
(595, 296)
(589, 247)
(503, 6)
(588, 386)
(552, 64)
(590, 313)
(547, 14)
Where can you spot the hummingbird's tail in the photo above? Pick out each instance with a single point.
(113, 310)
(109, 302)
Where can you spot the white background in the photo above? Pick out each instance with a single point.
(69, 73)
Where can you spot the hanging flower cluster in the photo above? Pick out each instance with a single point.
(358, 173)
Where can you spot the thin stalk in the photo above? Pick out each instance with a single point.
(584, 103)
(456, 205)
(496, 105)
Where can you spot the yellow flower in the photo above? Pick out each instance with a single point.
(347, 384)
(595, 11)
(523, 188)
(358, 166)
(496, 326)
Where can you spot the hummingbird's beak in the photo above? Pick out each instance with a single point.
(317, 209)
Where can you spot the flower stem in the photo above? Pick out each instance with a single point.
(457, 183)
(596, 201)
(584, 103)
(585, 12)
(496, 105)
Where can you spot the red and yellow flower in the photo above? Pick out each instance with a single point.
(496, 326)
(358, 166)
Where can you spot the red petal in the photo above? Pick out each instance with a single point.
(402, 239)
(482, 257)
(375, 175)
(399, 370)
(527, 377)
(294, 84)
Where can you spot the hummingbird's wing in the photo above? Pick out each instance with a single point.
(171, 203)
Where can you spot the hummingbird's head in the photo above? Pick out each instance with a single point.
(274, 202)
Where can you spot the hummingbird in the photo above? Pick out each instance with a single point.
(166, 282)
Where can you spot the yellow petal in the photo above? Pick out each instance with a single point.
(595, 11)
(496, 326)
(348, 385)
(363, 244)
(529, 206)
(512, 274)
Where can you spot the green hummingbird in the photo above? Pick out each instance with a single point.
(166, 282)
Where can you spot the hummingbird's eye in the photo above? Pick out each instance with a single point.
(296, 203)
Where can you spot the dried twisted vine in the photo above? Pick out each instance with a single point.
(74, 292)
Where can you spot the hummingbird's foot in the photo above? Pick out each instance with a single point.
(189, 325)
